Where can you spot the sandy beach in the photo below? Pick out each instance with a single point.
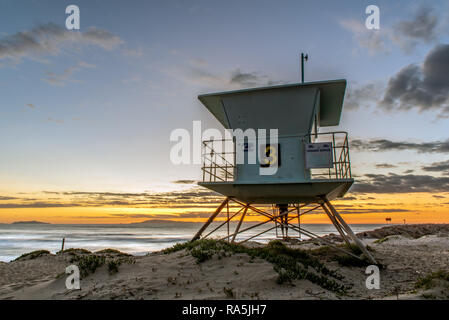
(414, 264)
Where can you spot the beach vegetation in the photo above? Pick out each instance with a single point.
(75, 251)
(113, 252)
(171, 280)
(347, 260)
(88, 263)
(343, 259)
(353, 248)
(113, 266)
(33, 255)
(382, 240)
(289, 263)
(429, 296)
(254, 295)
(228, 292)
(432, 279)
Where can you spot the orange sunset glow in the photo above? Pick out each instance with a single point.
(363, 209)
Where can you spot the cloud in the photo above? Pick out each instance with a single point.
(36, 205)
(364, 211)
(101, 38)
(198, 62)
(425, 26)
(242, 78)
(135, 79)
(362, 96)
(7, 198)
(142, 215)
(393, 183)
(250, 79)
(373, 40)
(350, 198)
(183, 215)
(424, 87)
(388, 145)
(198, 73)
(385, 166)
(442, 166)
(421, 28)
(194, 197)
(115, 194)
(63, 78)
(50, 39)
(58, 121)
(184, 181)
(133, 53)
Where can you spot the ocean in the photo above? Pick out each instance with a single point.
(136, 239)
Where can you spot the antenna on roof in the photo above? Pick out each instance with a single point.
(303, 57)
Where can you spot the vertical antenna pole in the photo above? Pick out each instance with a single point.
(303, 57)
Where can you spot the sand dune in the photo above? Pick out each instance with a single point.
(206, 274)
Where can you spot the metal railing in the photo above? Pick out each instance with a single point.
(340, 152)
(218, 160)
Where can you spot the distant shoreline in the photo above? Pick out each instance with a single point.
(29, 222)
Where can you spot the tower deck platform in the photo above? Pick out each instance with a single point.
(292, 192)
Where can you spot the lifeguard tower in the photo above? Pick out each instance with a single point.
(313, 167)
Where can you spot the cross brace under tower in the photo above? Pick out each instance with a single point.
(284, 219)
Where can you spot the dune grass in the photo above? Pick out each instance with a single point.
(75, 251)
(430, 281)
(89, 263)
(379, 241)
(343, 259)
(32, 255)
(113, 252)
(290, 264)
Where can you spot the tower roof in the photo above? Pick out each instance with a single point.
(281, 106)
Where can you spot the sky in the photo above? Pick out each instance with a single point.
(86, 115)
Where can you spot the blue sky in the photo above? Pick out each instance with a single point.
(95, 113)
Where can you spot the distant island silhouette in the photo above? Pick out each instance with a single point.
(29, 222)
